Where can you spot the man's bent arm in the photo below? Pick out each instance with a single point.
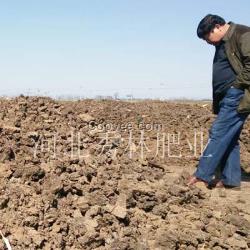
(243, 78)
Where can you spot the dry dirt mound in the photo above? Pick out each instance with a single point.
(76, 175)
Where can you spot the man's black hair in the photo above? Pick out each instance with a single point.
(208, 23)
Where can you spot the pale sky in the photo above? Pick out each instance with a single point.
(147, 48)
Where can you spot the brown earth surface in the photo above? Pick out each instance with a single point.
(112, 175)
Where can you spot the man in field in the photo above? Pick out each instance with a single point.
(231, 100)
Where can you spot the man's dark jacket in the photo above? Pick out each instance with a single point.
(237, 47)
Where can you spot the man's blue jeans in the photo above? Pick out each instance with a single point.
(223, 147)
